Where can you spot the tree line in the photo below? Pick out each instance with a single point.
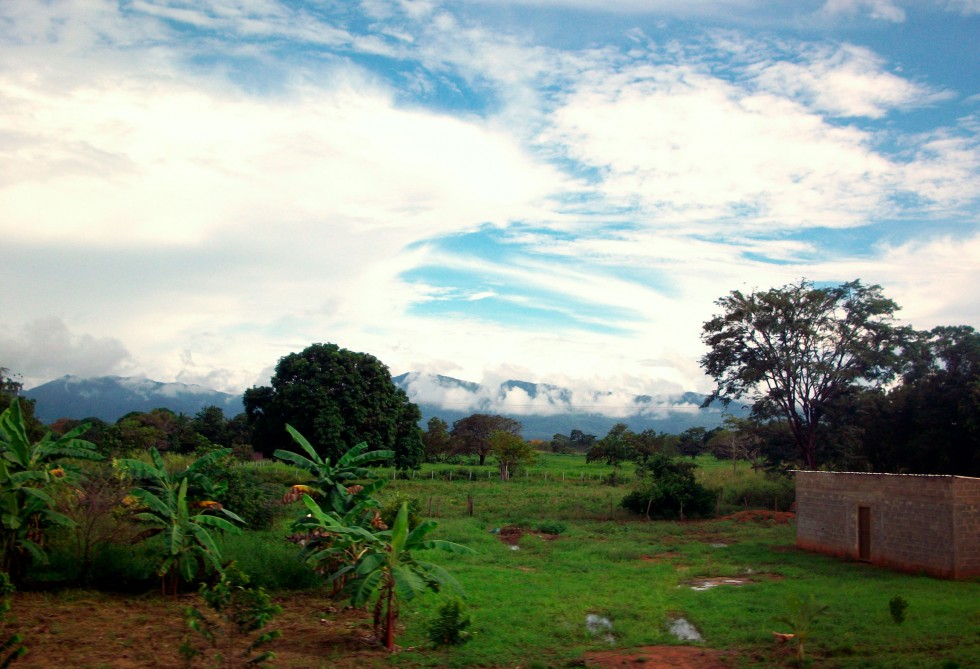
(831, 379)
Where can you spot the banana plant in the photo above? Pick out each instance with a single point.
(330, 481)
(28, 472)
(382, 564)
(188, 547)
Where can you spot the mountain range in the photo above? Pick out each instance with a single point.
(543, 409)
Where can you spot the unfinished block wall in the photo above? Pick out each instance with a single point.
(927, 524)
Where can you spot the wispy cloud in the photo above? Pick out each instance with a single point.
(212, 185)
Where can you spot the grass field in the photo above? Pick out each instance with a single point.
(565, 551)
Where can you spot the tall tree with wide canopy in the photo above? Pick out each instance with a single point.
(930, 424)
(471, 435)
(336, 398)
(795, 350)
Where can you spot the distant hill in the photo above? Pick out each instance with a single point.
(111, 397)
(543, 409)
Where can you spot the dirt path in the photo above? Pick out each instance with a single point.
(659, 657)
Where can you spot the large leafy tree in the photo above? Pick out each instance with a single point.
(617, 447)
(795, 350)
(336, 398)
(471, 435)
(930, 424)
(511, 451)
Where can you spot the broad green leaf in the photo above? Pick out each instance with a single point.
(408, 584)
(399, 531)
(362, 589)
(304, 444)
(215, 521)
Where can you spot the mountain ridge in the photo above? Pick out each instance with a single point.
(543, 409)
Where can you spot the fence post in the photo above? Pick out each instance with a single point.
(469, 504)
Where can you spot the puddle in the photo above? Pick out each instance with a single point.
(703, 584)
(599, 625)
(684, 630)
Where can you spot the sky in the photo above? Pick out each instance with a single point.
(548, 190)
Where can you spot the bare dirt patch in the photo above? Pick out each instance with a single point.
(732, 581)
(98, 630)
(511, 535)
(659, 657)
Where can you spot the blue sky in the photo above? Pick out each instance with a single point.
(548, 190)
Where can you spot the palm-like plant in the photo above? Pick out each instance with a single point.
(803, 612)
(189, 547)
(330, 481)
(383, 563)
(27, 471)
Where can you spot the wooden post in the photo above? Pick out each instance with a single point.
(469, 505)
(438, 504)
(430, 506)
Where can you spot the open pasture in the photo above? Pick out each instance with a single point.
(562, 577)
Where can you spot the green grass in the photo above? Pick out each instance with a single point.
(530, 605)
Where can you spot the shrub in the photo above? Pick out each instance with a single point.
(389, 511)
(448, 628)
(667, 489)
(252, 498)
(897, 606)
(550, 527)
(231, 632)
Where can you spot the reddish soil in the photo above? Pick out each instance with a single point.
(659, 657)
(511, 535)
(83, 629)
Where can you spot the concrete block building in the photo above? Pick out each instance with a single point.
(919, 524)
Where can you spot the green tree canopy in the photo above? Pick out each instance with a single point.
(336, 398)
(614, 449)
(436, 439)
(511, 451)
(795, 350)
(930, 424)
(471, 435)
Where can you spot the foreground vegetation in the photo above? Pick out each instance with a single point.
(577, 553)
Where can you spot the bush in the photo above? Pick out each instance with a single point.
(248, 495)
(230, 634)
(667, 489)
(390, 509)
(448, 628)
(550, 527)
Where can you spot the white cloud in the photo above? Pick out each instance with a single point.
(884, 10)
(46, 348)
(965, 7)
(843, 80)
